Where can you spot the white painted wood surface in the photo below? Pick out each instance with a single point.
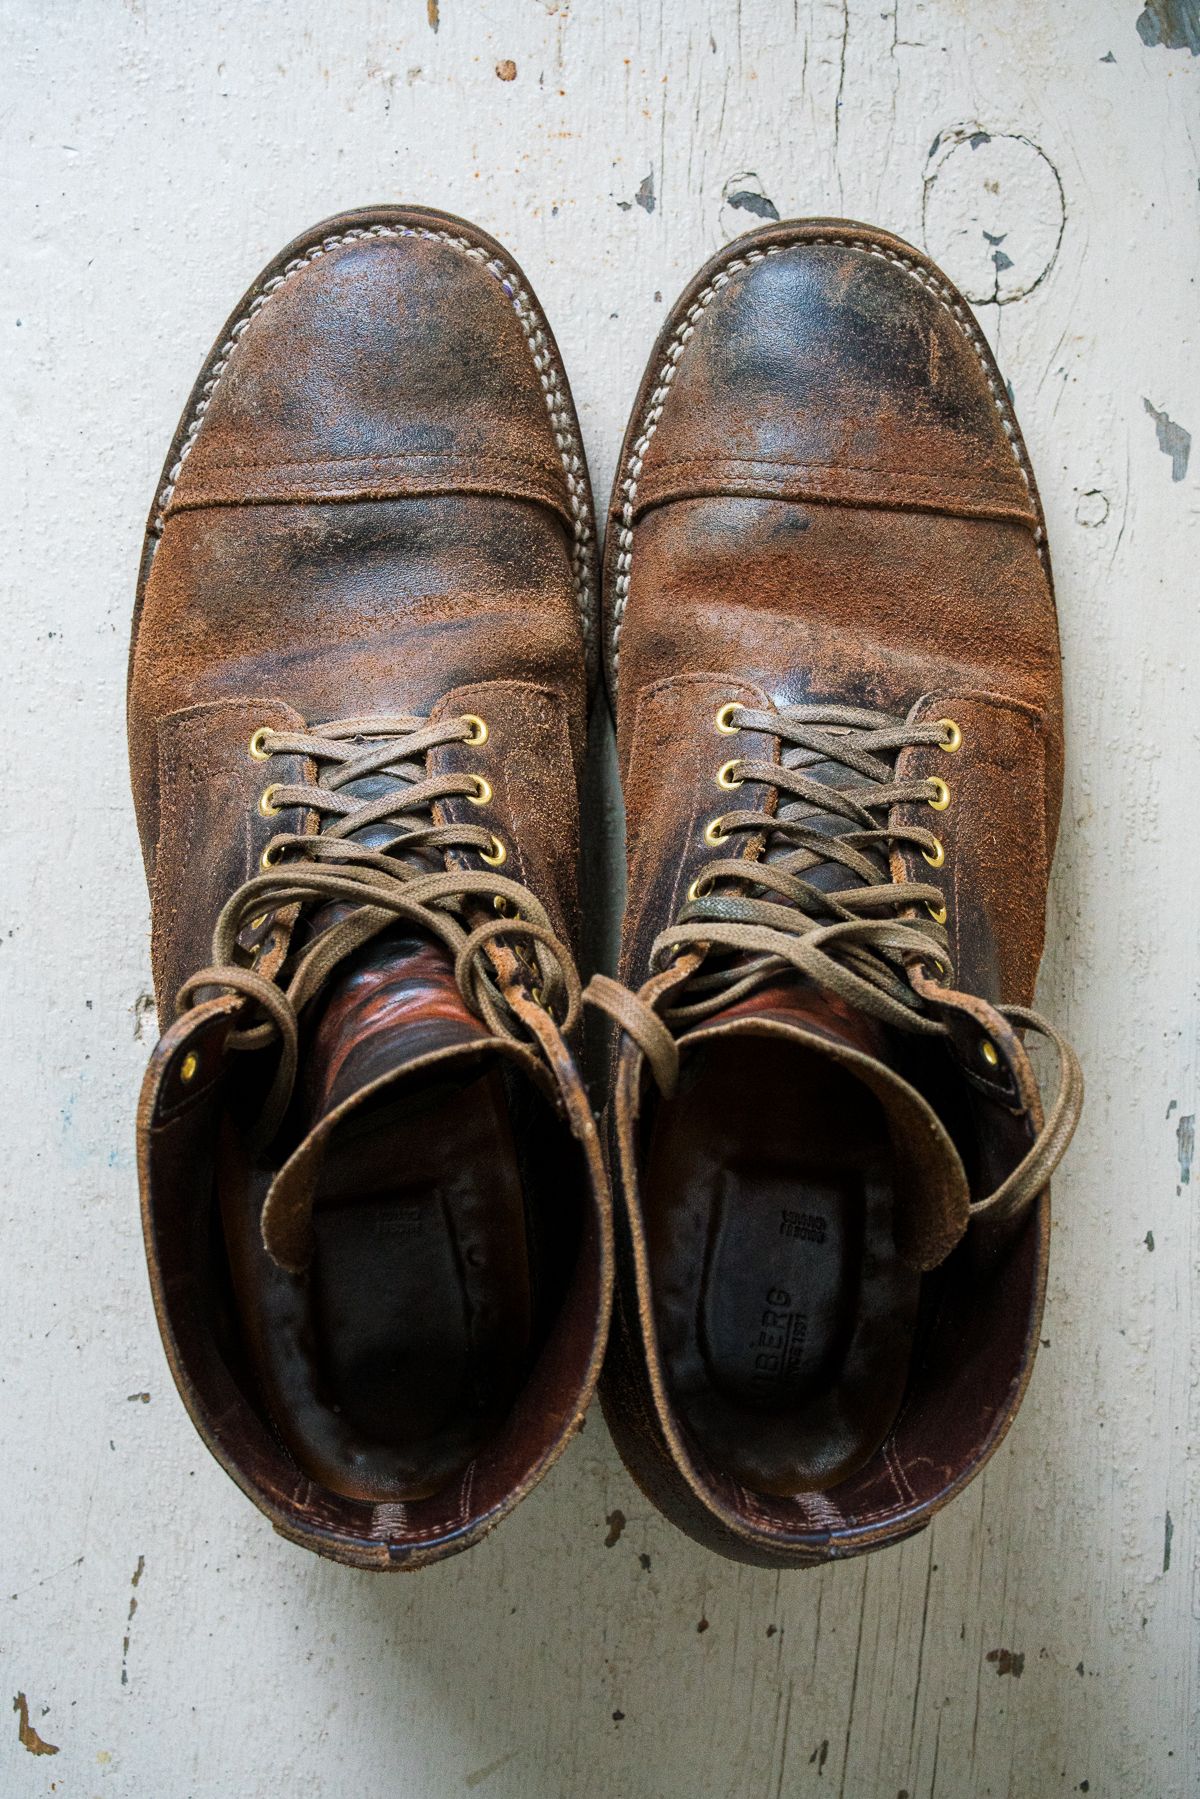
(1042, 1637)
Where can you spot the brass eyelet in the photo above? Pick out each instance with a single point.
(943, 794)
(188, 1067)
(713, 834)
(256, 924)
(723, 717)
(939, 855)
(989, 1052)
(482, 793)
(496, 855)
(953, 737)
(256, 744)
(500, 904)
(267, 860)
(937, 913)
(478, 732)
(699, 888)
(266, 804)
(725, 776)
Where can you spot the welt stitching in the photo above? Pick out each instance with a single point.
(679, 341)
(570, 448)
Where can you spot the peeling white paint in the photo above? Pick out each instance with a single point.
(156, 153)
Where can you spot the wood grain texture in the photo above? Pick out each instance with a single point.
(1041, 1638)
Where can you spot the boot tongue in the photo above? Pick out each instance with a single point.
(797, 1004)
(393, 1008)
(932, 1197)
(394, 1003)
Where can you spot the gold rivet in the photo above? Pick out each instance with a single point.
(266, 803)
(990, 1053)
(478, 732)
(496, 855)
(256, 744)
(267, 860)
(713, 834)
(723, 719)
(939, 854)
(942, 799)
(725, 774)
(499, 903)
(188, 1067)
(482, 793)
(953, 737)
(937, 913)
(698, 888)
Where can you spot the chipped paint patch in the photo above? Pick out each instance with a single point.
(433, 13)
(1185, 1146)
(1008, 1661)
(507, 70)
(1168, 1533)
(133, 1605)
(1173, 440)
(743, 200)
(1171, 25)
(645, 194)
(616, 1524)
(27, 1736)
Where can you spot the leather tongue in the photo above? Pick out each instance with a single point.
(394, 1003)
(392, 1009)
(932, 1197)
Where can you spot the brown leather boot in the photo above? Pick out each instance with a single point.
(375, 1209)
(840, 733)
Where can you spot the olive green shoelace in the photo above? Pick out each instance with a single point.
(813, 891)
(405, 881)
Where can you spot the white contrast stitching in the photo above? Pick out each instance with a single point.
(654, 407)
(570, 448)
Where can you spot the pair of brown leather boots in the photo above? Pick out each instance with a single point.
(377, 1207)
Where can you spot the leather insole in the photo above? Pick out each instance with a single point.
(784, 1315)
(420, 1306)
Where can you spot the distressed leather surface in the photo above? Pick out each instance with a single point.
(824, 497)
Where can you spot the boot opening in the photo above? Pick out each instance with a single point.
(421, 1302)
(784, 1312)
